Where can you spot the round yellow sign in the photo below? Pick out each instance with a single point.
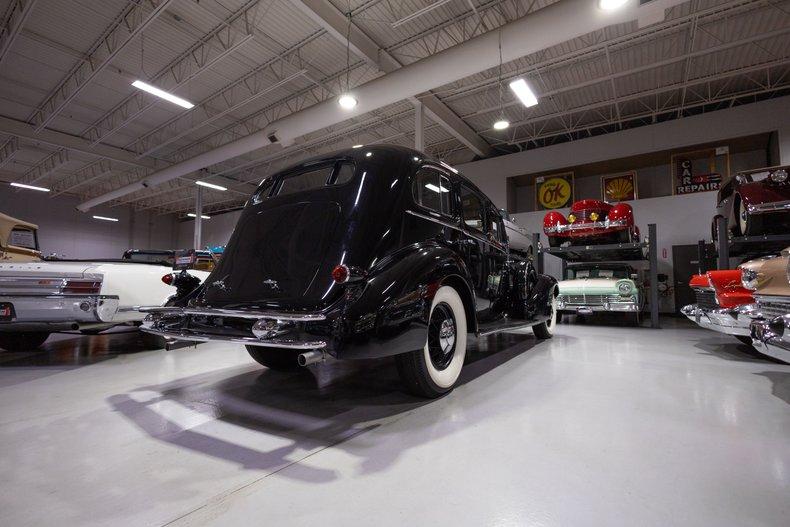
(554, 193)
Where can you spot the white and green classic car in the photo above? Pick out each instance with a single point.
(596, 287)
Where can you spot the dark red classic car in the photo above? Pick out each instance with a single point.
(591, 222)
(755, 202)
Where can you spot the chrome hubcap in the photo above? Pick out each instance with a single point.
(441, 336)
(447, 335)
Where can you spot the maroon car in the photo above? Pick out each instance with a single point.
(755, 202)
(592, 222)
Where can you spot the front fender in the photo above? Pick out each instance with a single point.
(541, 295)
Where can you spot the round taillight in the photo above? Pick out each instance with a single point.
(168, 279)
(340, 274)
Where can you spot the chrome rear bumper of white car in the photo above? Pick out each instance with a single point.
(58, 312)
(734, 321)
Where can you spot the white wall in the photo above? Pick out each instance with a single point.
(762, 117)
(66, 231)
(216, 231)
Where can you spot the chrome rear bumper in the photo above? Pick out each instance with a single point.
(271, 329)
(735, 321)
(772, 337)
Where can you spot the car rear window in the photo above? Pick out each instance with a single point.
(305, 181)
(335, 174)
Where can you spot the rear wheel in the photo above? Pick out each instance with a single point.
(545, 330)
(23, 341)
(434, 370)
(278, 359)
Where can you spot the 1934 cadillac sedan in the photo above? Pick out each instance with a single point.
(369, 252)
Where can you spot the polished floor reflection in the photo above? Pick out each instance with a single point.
(601, 425)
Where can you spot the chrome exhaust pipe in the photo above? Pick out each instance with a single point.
(310, 357)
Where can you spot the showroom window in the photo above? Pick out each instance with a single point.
(432, 190)
(472, 208)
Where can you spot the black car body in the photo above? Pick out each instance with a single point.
(346, 254)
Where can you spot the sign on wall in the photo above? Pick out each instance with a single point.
(619, 187)
(554, 191)
(699, 171)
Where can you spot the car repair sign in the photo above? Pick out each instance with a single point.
(699, 171)
(554, 191)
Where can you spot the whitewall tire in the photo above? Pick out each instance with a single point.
(545, 330)
(434, 370)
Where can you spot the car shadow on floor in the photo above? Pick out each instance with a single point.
(312, 410)
(732, 351)
(67, 351)
(780, 384)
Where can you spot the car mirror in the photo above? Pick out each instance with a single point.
(634, 276)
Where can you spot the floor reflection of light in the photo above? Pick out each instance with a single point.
(780, 472)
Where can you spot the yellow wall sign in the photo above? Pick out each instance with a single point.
(619, 187)
(555, 191)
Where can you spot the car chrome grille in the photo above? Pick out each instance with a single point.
(773, 306)
(588, 300)
(706, 299)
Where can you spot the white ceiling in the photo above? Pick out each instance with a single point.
(245, 63)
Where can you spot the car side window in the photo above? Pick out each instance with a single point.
(433, 191)
(471, 208)
(495, 226)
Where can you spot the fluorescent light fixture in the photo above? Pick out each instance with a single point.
(203, 216)
(608, 5)
(162, 94)
(431, 186)
(524, 92)
(501, 124)
(210, 185)
(357, 146)
(347, 102)
(29, 187)
(419, 13)
(104, 218)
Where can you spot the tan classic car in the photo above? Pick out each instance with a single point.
(770, 329)
(18, 240)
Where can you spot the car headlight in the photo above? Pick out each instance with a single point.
(779, 176)
(625, 288)
(594, 216)
(749, 278)
(571, 218)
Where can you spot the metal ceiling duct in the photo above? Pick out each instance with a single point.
(546, 27)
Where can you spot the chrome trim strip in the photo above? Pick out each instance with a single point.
(54, 296)
(235, 313)
(588, 225)
(497, 245)
(251, 341)
(763, 208)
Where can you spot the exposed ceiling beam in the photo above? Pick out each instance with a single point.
(126, 26)
(8, 150)
(337, 24)
(18, 12)
(22, 130)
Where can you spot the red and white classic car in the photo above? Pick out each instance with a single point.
(723, 304)
(755, 202)
(591, 222)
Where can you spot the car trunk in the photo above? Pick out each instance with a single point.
(280, 254)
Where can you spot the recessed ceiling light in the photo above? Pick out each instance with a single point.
(104, 218)
(162, 94)
(29, 187)
(608, 5)
(524, 92)
(501, 124)
(347, 102)
(210, 185)
(203, 216)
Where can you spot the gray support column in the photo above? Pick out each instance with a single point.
(723, 242)
(419, 126)
(653, 260)
(198, 216)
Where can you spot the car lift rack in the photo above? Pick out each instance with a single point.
(618, 252)
(746, 247)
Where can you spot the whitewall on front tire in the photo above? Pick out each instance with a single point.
(545, 330)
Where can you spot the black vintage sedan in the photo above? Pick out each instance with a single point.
(368, 252)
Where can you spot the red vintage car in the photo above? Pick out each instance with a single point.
(592, 222)
(723, 304)
(755, 202)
